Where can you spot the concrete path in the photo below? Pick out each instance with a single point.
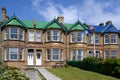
(47, 74)
(32, 74)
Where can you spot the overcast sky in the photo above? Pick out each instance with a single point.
(91, 12)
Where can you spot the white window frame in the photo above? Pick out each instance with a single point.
(80, 35)
(31, 35)
(80, 54)
(72, 55)
(38, 36)
(72, 37)
(91, 38)
(10, 49)
(6, 33)
(6, 55)
(97, 39)
(48, 55)
(113, 39)
(14, 33)
(56, 54)
(106, 39)
(21, 54)
(55, 35)
(21, 34)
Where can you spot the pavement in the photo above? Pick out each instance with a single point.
(32, 74)
(47, 74)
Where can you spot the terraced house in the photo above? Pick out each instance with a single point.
(33, 43)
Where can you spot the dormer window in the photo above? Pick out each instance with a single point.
(14, 33)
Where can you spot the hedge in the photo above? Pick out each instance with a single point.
(108, 67)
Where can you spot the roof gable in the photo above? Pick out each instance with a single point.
(54, 24)
(14, 20)
(110, 28)
(78, 26)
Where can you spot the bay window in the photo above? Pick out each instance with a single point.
(6, 33)
(113, 54)
(106, 54)
(14, 33)
(55, 54)
(31, 36)
(38, 36)
(55, 35)
(72, 54)
(48, 55)
(79, 36)
(13, 53)
(106, 38)
(80, 54)
(73, 37)
(113, 38)
(6, 54)
(21, 57)
(21, 34)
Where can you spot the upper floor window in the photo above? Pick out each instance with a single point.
(79, 36)
(31, 36)
(21, 34)
(91, 38)
(113, 38)
(106, 39)
(6, 33)
(55, 35)
(73, 37)
(48, 35)
(14, 33)
(97, 39)
(38, 36)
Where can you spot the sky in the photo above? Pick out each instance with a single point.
(91, 12)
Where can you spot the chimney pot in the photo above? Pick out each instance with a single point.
(108, 22)
(60, 19)
(3, 13)
(101, 24)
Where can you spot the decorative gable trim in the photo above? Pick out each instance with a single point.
(54, 21)
(14, 17)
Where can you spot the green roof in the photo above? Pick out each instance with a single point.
(77, 26)
(13, 22)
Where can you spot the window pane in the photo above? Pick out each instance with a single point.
(13, 53)
(38, 36)
(106, 38)
(55, 34)
(21, 54)
(79, 37)
(72, 54)
(113, 38)
(107, 54)
(97, 39)
(91, 39)
(55, 54)
(113, 53)
(14, 33)
(6, 34)
(73, 37)
(31, 36)
(80, 54)
(6, 54)
(21, 34)
(48, 35)
(48, 57)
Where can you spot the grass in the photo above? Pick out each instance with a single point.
(72, 73)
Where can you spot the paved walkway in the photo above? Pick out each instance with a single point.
(47, 74)
(32, 74)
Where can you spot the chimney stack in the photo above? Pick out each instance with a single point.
(108, 22)
(60, 19)
(3, 13)
(101, 24)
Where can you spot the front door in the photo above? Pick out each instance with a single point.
(30, 56)
(38, 57)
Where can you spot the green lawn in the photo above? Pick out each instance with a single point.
(72, 73)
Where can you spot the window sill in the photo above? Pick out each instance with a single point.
(14, 40)
(54, 42)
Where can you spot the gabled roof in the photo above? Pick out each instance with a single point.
(78, 26)
(54, 24)
(110, 28)
(14, 20)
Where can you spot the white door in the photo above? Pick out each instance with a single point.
(39, 57)
(30, 58)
